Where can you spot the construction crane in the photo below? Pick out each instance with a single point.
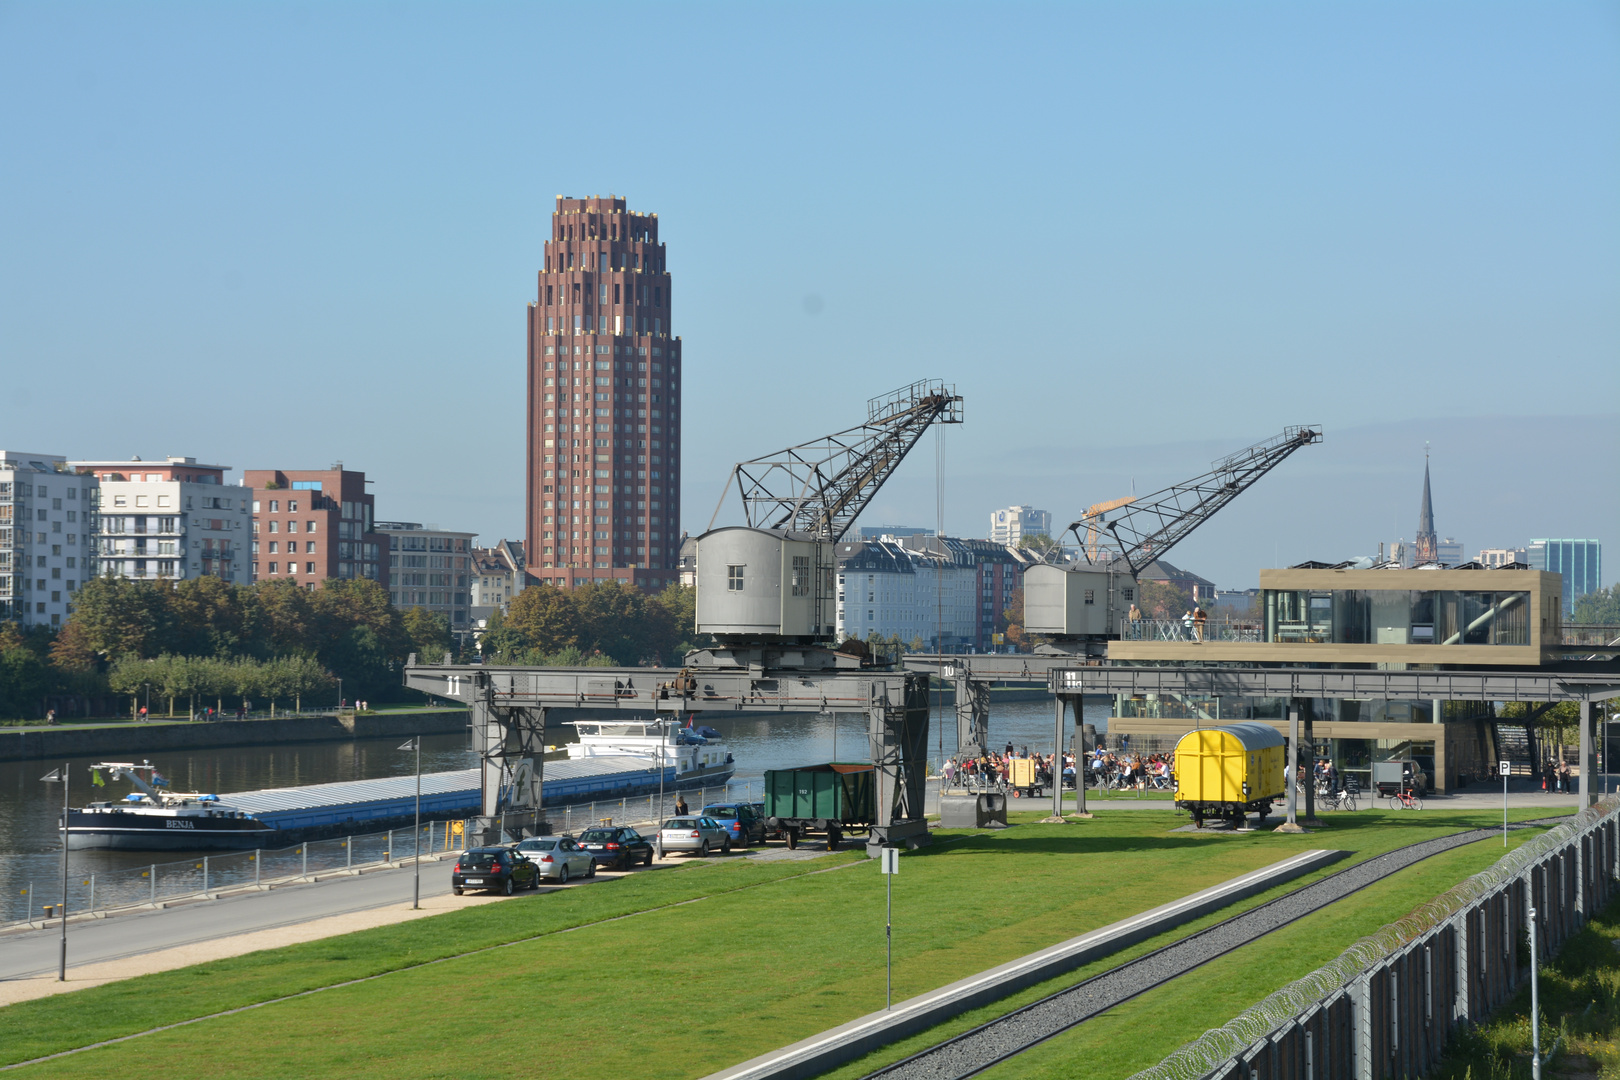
(1086, 602)
(1151, 526)
(769, 585)
(1092, 519)
(820, 487)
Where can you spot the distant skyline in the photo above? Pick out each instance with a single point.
(1135, 235)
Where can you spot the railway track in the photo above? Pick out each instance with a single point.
(993, 1042)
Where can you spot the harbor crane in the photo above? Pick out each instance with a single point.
(767, 590)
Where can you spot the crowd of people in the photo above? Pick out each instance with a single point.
(1104, 768)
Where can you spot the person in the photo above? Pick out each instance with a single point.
(681, 809)
(1564, 773)
(240, 712)
(1200, 618)
(50, 716)
(1135, 616)
(1187, 625)
(143, 714)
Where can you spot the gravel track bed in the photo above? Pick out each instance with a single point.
(978, 1049)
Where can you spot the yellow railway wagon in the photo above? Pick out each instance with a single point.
(1229, 772)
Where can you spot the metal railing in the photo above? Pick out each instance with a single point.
(208, 876)
(1178, 630)
(1389, 1004)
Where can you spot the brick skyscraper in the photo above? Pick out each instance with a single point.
(604, 493)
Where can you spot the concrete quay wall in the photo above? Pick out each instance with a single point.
(21, 744)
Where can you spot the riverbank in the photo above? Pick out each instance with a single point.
(156, 736)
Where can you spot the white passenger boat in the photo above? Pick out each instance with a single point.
(695, 755)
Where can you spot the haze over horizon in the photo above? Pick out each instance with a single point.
(1136, 236)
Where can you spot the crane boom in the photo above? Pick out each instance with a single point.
(821, 487)
(1149, 527)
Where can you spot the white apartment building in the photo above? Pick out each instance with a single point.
(886, 589)
(497, 577)
(1491, 558)
(47, 537)
(1010, 526)
(429, 567)
(173, 519)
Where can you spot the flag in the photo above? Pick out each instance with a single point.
(52, 777)
(158, 780)
(95, 778)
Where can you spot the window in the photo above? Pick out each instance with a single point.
(1091, 596)
(734, 578)
(309, 526)
(801, 575)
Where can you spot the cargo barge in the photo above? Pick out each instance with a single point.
(153, 818)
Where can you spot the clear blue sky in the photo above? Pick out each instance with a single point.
(1135, 234)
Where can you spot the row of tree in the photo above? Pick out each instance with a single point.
(226, 682)
(603, 624)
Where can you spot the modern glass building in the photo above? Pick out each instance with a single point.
(1579, 561)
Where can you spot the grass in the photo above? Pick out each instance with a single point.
(1580, 1000)
(757, 956)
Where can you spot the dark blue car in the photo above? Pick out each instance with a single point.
(740, 820)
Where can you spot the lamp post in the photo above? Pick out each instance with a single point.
(340, 691)
(60, 776)
(416, 860)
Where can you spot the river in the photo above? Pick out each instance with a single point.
(30, 843)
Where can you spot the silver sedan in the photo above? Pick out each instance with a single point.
(694, 834)
(558, 857)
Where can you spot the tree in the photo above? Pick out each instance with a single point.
(613, 619)
(672, 625)
(209, 617)
(25, 676)
(1041, 544)
(1162, 600)
(281, 617)
(429, 634)
(118, 617)
(1012, 620)
(499, 642)
(545, 618)
(1601, 608)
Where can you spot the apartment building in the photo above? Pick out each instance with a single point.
(171, 519)
(314, 524)
(604, 417)
(497, 577)
(48, 523)
(429, 567)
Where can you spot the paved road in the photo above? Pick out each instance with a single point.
(34, 952)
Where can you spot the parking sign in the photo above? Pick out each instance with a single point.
(1504, 767)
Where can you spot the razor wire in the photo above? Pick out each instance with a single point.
(1217, 1046)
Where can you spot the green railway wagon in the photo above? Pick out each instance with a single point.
(830, 799)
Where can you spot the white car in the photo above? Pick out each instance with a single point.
(558, 857)
(694, 833)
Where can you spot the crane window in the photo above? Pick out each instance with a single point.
(734, 578)
(1091, 596)
(801, 575)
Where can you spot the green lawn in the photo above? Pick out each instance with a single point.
(756, 956)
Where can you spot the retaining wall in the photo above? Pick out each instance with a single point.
(21, 744)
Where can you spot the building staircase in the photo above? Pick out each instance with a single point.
(1516, 744)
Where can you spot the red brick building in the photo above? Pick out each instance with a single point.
(314, 524)
(604, 443)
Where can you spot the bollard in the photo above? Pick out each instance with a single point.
(304, 854)
(348, 853)
(28, 904)
(256, 862)
(205, 875)
(153, 873)
(92, 906)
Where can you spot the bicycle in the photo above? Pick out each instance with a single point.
(1407, 799)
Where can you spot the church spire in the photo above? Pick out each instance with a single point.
(1426, 543)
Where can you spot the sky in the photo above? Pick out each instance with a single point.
(1135, 235)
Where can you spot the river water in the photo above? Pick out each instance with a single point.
(30, 843)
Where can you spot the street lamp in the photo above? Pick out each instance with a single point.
(340, 693)
(416, 861)
(60, 776)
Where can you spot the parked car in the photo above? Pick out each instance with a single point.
(558, 857)
(493, 870)
(695, 834)
(740, 821)
(620, 847)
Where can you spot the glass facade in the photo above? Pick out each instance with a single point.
(1396, 617)
(1579, 561)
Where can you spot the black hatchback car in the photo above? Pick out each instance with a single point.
(619, 847)
(494, 870)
